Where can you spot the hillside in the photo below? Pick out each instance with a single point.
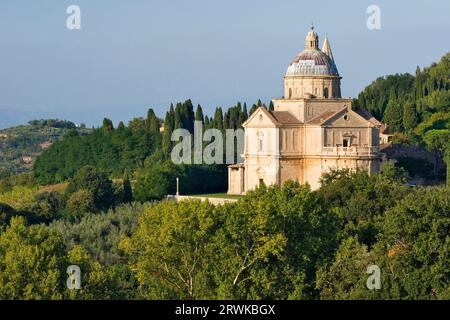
(405, 102)
(141, 143)
(20, 145)
(417, 110)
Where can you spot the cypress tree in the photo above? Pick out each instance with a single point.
(121, 126)
(409, 116)
(207, 124)
(239, 106)
(227, 122)
(199, 114)
(107, 125)
(394, 113)
(218, 119)
(169, 126)
(152, 122)
(252, 109)
(127, 190)
(245, 112)
(188, 115)
(178, 123)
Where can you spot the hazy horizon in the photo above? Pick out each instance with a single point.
(131, 56)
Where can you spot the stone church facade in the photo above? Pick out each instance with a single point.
(311, 130)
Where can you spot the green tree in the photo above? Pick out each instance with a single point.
(169, 126)
(127, 190)
(409, 116)
(155, 180)
(437, 141)
(20, 198)
(81, 202)
(394, 113)
(248, 250)
(245, 112)
(107, 125)
(410, 245)
(262, 253)
(100, 234)
(170, 250)
(96, 183)
(360, 200)
(218, 119)
(152, 122)
(32, 261)
(394, 173)
(345, 278)
(49, 205)
(378, 94)
(97, 281)
(416, 243)
(199, 114)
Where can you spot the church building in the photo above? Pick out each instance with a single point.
(311, 130)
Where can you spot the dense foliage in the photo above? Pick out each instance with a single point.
(90, 191)
(141, 150)
(416, 108)
(404, 100)
(274, 243)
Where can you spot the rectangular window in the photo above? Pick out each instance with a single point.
(346, 143)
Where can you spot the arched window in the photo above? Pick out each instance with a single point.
(325, 93)
(290, 93)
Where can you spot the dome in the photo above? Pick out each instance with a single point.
(313, 73)
(312, 62)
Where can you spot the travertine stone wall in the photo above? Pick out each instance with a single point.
(299, 87)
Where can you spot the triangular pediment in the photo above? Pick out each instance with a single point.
(261, 118)
(346, 117)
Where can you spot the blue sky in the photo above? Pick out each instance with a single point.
(134, 54)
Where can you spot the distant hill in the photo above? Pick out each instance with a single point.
(10, 117)
(20, 145)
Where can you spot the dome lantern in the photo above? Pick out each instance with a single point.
(312, 39)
